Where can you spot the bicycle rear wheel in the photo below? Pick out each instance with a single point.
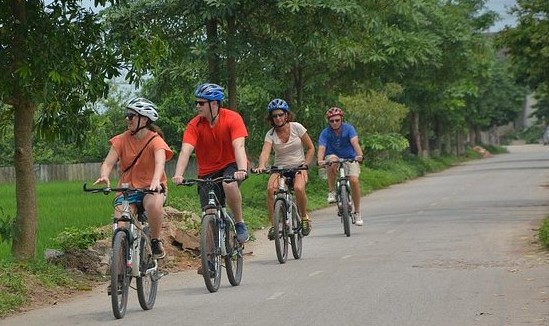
(345, 210)
(280, 231)
(210, 255)
(147, 282)
(234, 260)
(296, 238)
(120, 276)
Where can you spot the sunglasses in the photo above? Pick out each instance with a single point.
(201, 103)
(130, 116)
(275, 115)
(334, 120)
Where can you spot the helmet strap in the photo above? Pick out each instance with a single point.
(282, 125)
(212, 121)
(138, 126)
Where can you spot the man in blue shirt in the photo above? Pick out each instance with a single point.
(340, 140)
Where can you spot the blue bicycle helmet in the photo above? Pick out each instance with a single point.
(210, 92)
(278, 104)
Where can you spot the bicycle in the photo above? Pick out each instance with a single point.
(218, 238)
(131, 254)
(286, 219)
(343, 196)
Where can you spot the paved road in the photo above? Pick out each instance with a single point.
(452, 248)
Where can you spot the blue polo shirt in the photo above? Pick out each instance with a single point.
(339, 145)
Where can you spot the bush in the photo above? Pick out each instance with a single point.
(544, 233)
(75, 238)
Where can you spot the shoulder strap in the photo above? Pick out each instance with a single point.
(139, 154)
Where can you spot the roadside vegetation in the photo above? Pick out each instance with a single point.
(68, 217)
(544, 233)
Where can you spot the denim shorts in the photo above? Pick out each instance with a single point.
(133, 198)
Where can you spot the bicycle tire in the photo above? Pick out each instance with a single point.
(345, 210)
(120, 276)
(210, 255)
(296, 239)
(147, 283)
(280, 232)
(234, 260)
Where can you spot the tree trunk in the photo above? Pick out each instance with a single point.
(231, 63)
(437, 145)
(447, 149)
(213, 59)
(475, 136)
(299, 84)
(414, 130)
(24, 243)
(424, 138)
(460, 143)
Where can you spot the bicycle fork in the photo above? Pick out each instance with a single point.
(221, 231)
(289, 212)
(133, 248)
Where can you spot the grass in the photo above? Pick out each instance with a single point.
(544, 233)
(64, 205)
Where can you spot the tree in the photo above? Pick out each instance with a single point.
(52, 62)
(527, 43)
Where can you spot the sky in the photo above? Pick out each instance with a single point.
(501, 7)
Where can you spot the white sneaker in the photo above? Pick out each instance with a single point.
(358, 219)
(331, 197)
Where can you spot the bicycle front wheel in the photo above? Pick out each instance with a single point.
(120, 276)
(296, 238)
(280, 231)
(234, 260)
(147, 282)
(345, 210)
(210, 254)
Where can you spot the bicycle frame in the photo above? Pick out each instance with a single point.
(290, 218)
(214, 207)
(134, 222)
(283, 193)
(343, 195)
(219, 224)
(133, 231)
(129, 230)
(342, 181)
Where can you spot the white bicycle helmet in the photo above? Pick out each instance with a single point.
(143, 107)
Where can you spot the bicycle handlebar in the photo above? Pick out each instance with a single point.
(107, 190)
(341, 160)
(192, 182)
(281, 169)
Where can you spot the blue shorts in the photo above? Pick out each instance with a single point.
(133, 198)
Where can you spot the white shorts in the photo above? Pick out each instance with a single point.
(351, 169)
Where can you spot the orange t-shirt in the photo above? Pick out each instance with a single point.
(141, 173)
(213, 146)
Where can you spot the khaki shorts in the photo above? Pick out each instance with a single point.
(351, 169)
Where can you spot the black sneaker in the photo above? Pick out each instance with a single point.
(305, 227)
(241, 232)
(211, 269)
(157, 249)
(271, 234)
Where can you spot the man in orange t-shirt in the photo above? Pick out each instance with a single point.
(217, 136)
